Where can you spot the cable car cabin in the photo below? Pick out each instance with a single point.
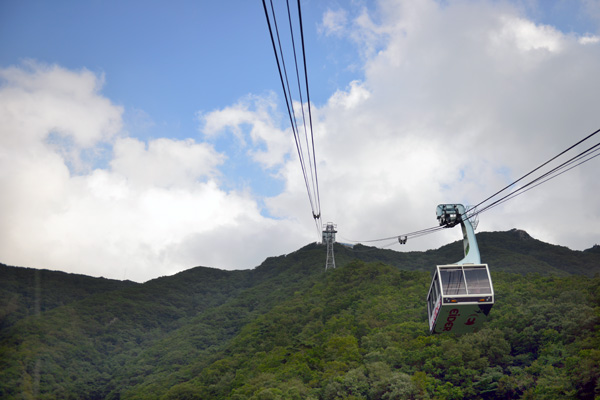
(460, 298)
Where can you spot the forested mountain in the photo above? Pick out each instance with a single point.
(28, 291)
(511, 251)
(288, 329)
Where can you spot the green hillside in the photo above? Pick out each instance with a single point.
(361, 333)
(290, 330)
(27, 291)
(511, 251)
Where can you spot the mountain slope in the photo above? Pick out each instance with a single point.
(107, 335)
(27, 291)
(290, 329)
(541, 257)
(360, 332)
(511, 251)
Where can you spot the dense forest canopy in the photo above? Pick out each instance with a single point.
(288, 329)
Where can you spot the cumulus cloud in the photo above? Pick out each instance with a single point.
(43, 99)
(462, 99)
(253, 122)
(334, 22)
(358, 26)
(355, 94)
(458, 99)
(589, 39)
(526, 36)
(155, 209)
(164, 162)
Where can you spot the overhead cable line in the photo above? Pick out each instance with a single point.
(535, 169)
(515, 194)
(313, 171)
(287, 94)
(555, 172)
(309, 107)
(410, 234)
(473, 212)
(311, 182)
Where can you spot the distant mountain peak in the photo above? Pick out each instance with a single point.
(521, 233)
(594, 249)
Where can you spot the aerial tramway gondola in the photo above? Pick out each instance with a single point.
(461, 295)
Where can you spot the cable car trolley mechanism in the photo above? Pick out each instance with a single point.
(461, 295)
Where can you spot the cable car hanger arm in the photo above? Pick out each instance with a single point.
(450, 215)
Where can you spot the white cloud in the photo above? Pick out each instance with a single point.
(164, 162)
(351, 98)
(461, 100)
(40, 99)
(361, 29)
(458, 99)
(589, 39)
(526, 36)
(334, 22)
(156, 209)
(251, 119)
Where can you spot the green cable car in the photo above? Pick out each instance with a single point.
(461, 295)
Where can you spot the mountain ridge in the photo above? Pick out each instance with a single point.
(290, 329)
(498, 250)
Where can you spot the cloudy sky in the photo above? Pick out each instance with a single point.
(142, 138)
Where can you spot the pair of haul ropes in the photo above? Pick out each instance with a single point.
(461, 295)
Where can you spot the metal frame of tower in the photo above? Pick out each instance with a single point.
(329, 238)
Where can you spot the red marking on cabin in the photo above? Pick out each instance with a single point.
(454, 313)
(471, 319)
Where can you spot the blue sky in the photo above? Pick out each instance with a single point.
(152, 136)
(167, 61)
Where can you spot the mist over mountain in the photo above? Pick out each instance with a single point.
(288, 329)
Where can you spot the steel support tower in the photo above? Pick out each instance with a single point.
(329, 239)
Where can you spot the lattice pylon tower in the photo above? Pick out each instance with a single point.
(329, 239)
